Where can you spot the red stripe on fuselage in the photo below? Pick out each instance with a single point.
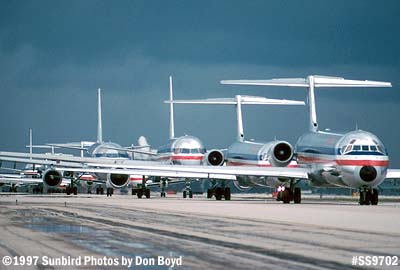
(182, 157)
(345, 162)
(232, 163)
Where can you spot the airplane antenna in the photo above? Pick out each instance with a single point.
(171, 111)
(99, 120)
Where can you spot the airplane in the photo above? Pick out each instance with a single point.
(183, 150)
(99, 149)
(356, 159)
(249, 153)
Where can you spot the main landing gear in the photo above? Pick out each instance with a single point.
(187, 192)
(286, 195)
(71, 189)
(219, 192)
(369, 196)
(163, 185)
(142, 190)
(110, 191)
(99, 190)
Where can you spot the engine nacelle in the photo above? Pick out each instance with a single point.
(52, 178)
(118, 180)
(214, 158)
(280, 154)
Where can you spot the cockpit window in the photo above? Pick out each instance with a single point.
(354, 149)
(189, 151)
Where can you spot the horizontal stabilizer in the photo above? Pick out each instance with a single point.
(319, 81)
(247, 100)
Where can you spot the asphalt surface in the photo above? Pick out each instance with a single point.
(245, 233)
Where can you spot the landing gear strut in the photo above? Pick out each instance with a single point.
(369, 196)
(187, 192)
(163, 185)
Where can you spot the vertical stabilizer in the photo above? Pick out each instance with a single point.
(99, 119)
(240, 132)
(171, 111)
(30, 143)
(311, 105)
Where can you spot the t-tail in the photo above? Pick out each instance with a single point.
(238, 101)
(311, 82)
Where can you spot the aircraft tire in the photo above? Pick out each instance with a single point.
(68, 190)
(184, 194)
(147, 193)
(297, 195)
(218, 194)
(75, 189)
(139, 194)
(374, 197)
(209, 193)
(101, 191)
(190, 194)
(287, 196)
(227, 194)
(364, 197)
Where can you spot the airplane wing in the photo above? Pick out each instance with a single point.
(13, 178)
(393, 173)
(131, 167)
(182, 171)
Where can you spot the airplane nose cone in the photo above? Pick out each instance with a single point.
(368, 173)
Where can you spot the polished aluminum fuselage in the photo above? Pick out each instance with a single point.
(185, 150)
(336, 159)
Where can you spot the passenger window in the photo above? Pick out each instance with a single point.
(356, 147)
(373, 148)
(365, 148)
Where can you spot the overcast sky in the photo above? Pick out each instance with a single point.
(55, 54)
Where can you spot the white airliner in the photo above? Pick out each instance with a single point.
(99, 149)
(357, 159)
(183, 150)
(248, 153)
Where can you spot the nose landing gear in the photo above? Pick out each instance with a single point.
(369, 196)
